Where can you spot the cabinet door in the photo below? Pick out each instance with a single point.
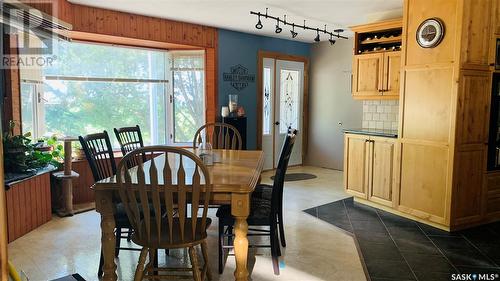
(381, 170)
(367, 75)
(392, 70)
(476, 34)
(356, 165)
(496, 17)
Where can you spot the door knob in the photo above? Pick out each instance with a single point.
(277, 123)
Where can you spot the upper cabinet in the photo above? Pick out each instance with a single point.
(377, 60)
(476, 34)
(496, 17)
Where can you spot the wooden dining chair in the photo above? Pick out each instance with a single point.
(263, 212)
(219, 135)
(130, 138)
(265, 191)
(175, 178)
(99, 154)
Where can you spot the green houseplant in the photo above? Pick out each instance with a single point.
(21, 155)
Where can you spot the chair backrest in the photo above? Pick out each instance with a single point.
(99, 154)
(219, 135)
(171, 179)
(279, 176)
(130, 138)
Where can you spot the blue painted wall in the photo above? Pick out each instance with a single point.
(242, 48)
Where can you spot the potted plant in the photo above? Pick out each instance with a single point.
(16, 150)
(20, 155)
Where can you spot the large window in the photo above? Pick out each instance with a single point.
(91, 88)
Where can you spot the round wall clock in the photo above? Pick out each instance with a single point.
(430, 33)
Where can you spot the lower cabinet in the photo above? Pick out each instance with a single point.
(369, 167)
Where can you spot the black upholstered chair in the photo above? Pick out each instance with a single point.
(265, 191)
(99, 154)
(265, 210)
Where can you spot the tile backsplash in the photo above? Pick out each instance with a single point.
(380, 114)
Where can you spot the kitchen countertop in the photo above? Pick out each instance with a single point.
(373, 132)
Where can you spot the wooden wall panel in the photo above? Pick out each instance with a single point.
(12, 99)
(428, 104)
(424, 181)
(109, 22)
(81, 186)
(211, 84)
(468, 190)
(420, 10)
(28, 205)
(473, 107)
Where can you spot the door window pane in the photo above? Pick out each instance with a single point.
(266, 126)
(289, 100)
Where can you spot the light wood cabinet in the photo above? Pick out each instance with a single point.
(476, 34)
(391, 74)
(496, 17)
(381, 176)
(367, 75)
(439, 173)
(369, 167)
(376, 76)
(377, 60)
(355, 164)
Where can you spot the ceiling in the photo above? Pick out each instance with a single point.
(235, 14)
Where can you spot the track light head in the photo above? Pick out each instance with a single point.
(317, 36)
(294, 34)
(332, 41)
(278, 28)
(259, 24)
(338, 30)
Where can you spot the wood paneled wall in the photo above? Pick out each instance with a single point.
(12, 98)
(81, 185)
(28, 205)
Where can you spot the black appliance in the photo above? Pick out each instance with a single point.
(240, 123)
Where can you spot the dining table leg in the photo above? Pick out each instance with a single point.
(104, 206)
(240, 209)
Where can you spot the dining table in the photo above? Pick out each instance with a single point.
(234, 175)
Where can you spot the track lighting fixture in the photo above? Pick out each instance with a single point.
(317, 36)
(335, 33)
(259, 24)
(294, 34)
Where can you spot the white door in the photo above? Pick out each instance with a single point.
(283, 93)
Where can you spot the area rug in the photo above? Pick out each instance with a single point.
(298, 177)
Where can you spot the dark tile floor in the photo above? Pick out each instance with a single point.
(395, 248)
